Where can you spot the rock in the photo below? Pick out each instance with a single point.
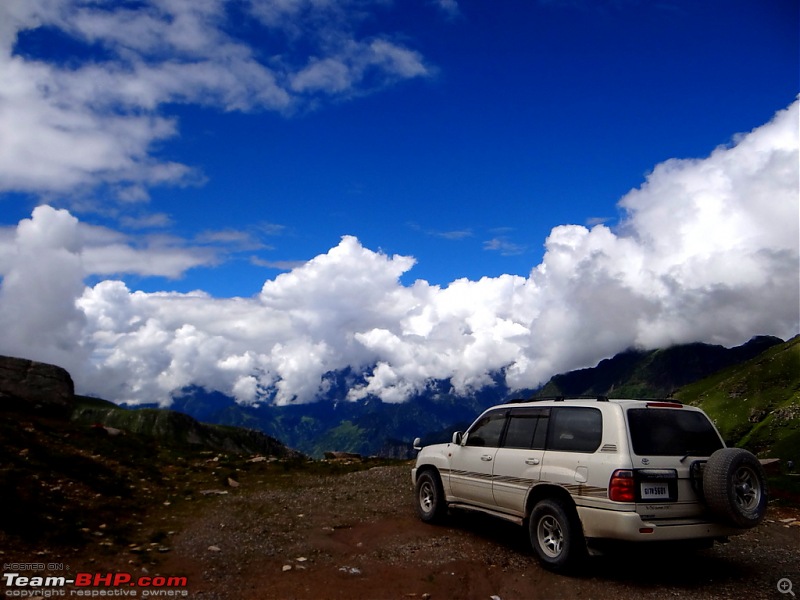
(233, 483)
(772, 466)
(286, 568)
(30, 385)
(214, 549)
(342, 456)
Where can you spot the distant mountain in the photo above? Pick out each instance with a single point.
(756, 404)
(653, 373)
(368, 427)
(372, 427)
(752, 392)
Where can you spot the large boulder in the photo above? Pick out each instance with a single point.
(30, 385)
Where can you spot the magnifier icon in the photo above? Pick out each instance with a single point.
(785, 586)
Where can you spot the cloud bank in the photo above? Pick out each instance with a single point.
(707, 250)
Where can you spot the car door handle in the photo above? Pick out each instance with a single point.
(486, 457)
(531, 461)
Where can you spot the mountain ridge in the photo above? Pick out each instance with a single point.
(371, 427)
(756, 404)
(653, 373)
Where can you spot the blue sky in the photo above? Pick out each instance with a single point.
(216, 145)
(530, 115)
(535, 116)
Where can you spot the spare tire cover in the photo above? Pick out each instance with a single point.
(735, 487)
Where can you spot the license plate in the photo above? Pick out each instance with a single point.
(655, 491)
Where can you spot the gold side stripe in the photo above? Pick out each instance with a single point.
(577, 489)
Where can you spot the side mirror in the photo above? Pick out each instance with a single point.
(457, 437)
(417, 444)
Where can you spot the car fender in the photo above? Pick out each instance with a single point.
(436, 456)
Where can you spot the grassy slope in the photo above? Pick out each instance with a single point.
(168, 426)
(653, 373)
(756, 405)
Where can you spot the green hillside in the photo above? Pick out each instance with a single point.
(654, 373)
(756, 404)
(171, 427)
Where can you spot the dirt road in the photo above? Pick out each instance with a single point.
(355, 536)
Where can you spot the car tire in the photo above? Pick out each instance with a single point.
(430, 501)
(735, 488)
(556, 535)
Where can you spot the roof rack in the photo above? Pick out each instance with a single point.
(557, 399)
(670, 400)
(599, 398)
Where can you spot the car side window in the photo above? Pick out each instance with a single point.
(527, 428)
(575, 429)
(488, 429)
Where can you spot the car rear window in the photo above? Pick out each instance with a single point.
(527, 428)
(672, 432)
(575, 429)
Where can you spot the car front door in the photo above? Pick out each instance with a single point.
(472, 462)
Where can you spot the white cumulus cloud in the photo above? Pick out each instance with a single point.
(111, 101)
(707, 251)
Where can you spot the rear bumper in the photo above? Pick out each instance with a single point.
(629, 526)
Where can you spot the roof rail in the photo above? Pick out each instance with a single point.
(557, 399)
(670, 400)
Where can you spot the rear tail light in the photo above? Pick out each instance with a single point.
(621, 488)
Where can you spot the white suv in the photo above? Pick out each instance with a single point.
(582, 471)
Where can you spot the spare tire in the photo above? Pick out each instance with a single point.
(735, 488)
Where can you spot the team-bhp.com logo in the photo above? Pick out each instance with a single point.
(18, 585)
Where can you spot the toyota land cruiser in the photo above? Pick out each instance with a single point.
(577, 472)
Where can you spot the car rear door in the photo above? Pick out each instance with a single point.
(574, 434)
(518, 461)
